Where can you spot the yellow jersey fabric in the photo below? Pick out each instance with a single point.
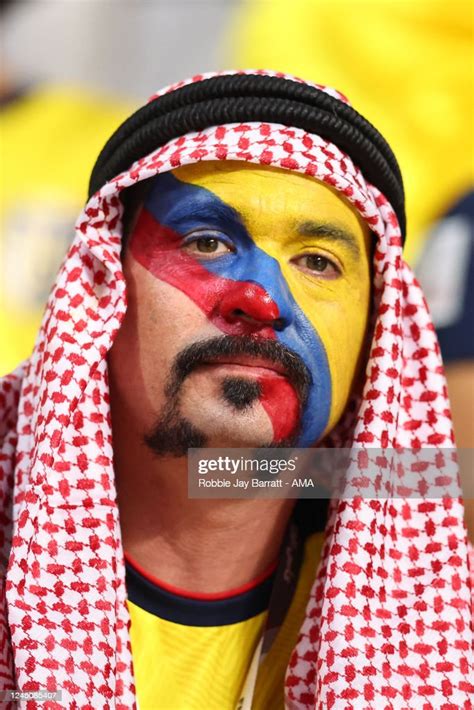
(192, 667)
(49, 141)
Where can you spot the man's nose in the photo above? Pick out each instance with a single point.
(250, 302)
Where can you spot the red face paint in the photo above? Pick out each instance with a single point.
(281, 403)
(159, 250)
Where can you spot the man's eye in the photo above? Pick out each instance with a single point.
(207, 245)
(318, 264)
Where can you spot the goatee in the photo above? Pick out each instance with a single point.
(173, 434)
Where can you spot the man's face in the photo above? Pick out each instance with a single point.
(248, 302)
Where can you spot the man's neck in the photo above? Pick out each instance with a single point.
(201, 546)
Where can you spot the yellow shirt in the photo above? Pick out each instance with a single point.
(179, 666)
(49, 141)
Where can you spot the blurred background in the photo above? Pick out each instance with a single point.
(72, 70)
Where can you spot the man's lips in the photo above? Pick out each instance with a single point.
(249, 363)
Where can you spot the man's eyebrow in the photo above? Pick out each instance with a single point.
(210, 209)
(333, 232)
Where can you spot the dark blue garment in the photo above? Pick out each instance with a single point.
(446, 273)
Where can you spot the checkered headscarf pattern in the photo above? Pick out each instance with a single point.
(388, 619)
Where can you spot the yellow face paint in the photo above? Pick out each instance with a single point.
(322, 246)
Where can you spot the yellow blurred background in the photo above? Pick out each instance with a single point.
(407, 66)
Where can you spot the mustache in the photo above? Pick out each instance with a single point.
(202, 351)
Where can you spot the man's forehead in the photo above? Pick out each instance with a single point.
(245, 175)
(259, 194)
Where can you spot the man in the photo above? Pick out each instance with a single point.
(252, 293)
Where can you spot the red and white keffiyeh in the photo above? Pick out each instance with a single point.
(388, 620)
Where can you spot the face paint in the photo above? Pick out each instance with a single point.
(270, 254)
(173, 433)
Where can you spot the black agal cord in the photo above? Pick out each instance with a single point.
(253, 97)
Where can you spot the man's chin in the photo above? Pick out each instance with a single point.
(227, 415)
(175, 437)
